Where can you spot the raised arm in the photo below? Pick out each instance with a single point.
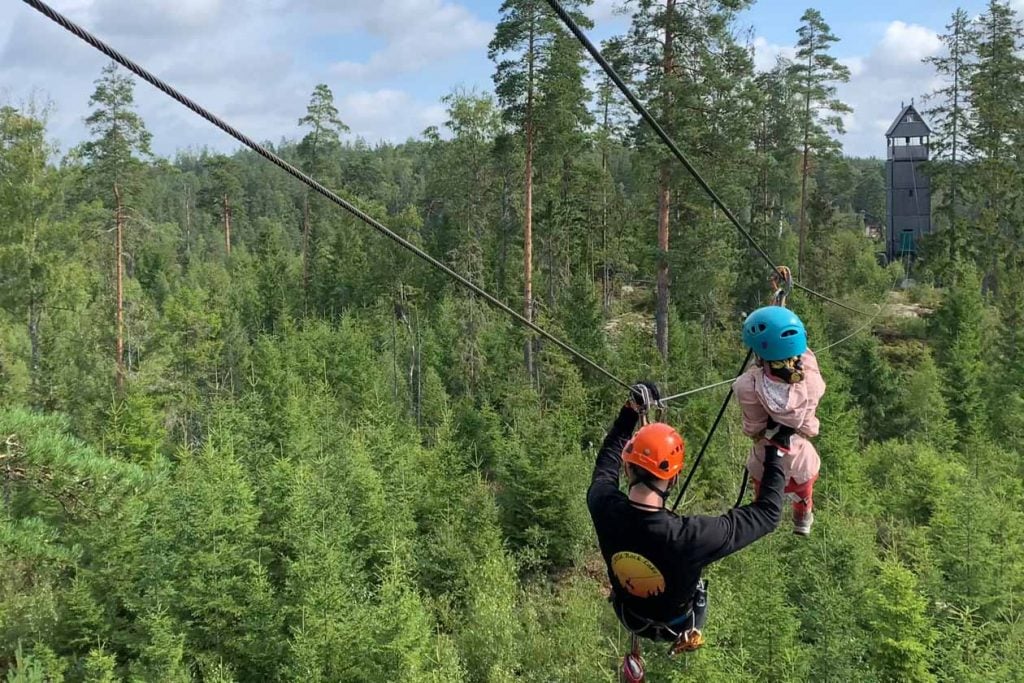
(605, 480)
(711, 538)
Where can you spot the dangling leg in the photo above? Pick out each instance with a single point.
(803, 506)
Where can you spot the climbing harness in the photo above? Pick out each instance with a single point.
(685, 633)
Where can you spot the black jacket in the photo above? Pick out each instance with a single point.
(655, 557)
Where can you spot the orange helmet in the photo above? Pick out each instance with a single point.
(657, 448)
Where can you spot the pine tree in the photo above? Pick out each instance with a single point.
(114, 173)
(815, 74)
(522, 48)
(875, 388)
(25, 200)
(315, 150)
(687, 64)
(562, 140)
(119, 138)
(776, 144)
(923, 406)
(223, 195)
(901, 629)
(996, 108)
(100, 667)
(959, 329)
(326, 128)
(949, 113)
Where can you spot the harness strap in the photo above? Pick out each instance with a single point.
(629, 619)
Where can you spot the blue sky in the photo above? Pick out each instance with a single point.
(389, 61)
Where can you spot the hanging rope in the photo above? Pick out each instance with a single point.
(575, 29)
(156, 82)
(710, 434)
(743, 488)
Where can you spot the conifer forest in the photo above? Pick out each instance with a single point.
(243, 437)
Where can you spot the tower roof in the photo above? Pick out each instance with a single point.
(908, 124)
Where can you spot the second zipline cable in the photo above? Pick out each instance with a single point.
(646, 115)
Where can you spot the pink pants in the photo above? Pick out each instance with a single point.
(804, 494)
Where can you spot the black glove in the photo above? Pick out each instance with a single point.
(778, 435)
(644, 395)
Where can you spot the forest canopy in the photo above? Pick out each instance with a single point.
(244, 438)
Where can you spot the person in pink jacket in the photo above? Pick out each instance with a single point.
(783, 387)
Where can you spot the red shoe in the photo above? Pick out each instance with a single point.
(802, 523)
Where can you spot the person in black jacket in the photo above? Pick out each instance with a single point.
(655, 557)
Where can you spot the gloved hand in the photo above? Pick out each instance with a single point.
(778, 435)
(644, 395)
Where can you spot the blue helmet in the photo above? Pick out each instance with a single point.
(775, 333)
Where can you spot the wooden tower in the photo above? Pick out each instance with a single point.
(908, 192)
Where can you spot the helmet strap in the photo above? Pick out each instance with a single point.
(645, 480)
(650, 487)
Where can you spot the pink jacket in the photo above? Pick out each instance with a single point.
(793, 405)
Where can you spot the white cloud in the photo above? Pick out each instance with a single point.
(156, 18)
(416, 33)
(767, 54)
(259, 68)
(891, 74)
(605, 10)
(255, 67)
(906, 45)
(387, 114)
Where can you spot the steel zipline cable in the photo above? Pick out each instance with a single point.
(700, 390)
(646, 115)
(156, 82)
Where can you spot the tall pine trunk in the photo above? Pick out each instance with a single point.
(528, 210)
(804, 171)
(33, 340)
(34, 312)
(305, 250)
(804, 165)
(661, 312)
(953, 236)
(119, 288)
(605, 279)
(664, 197)
(226, 210)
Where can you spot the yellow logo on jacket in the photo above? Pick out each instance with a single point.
(637, 575)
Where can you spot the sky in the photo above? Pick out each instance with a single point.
(389, 62)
